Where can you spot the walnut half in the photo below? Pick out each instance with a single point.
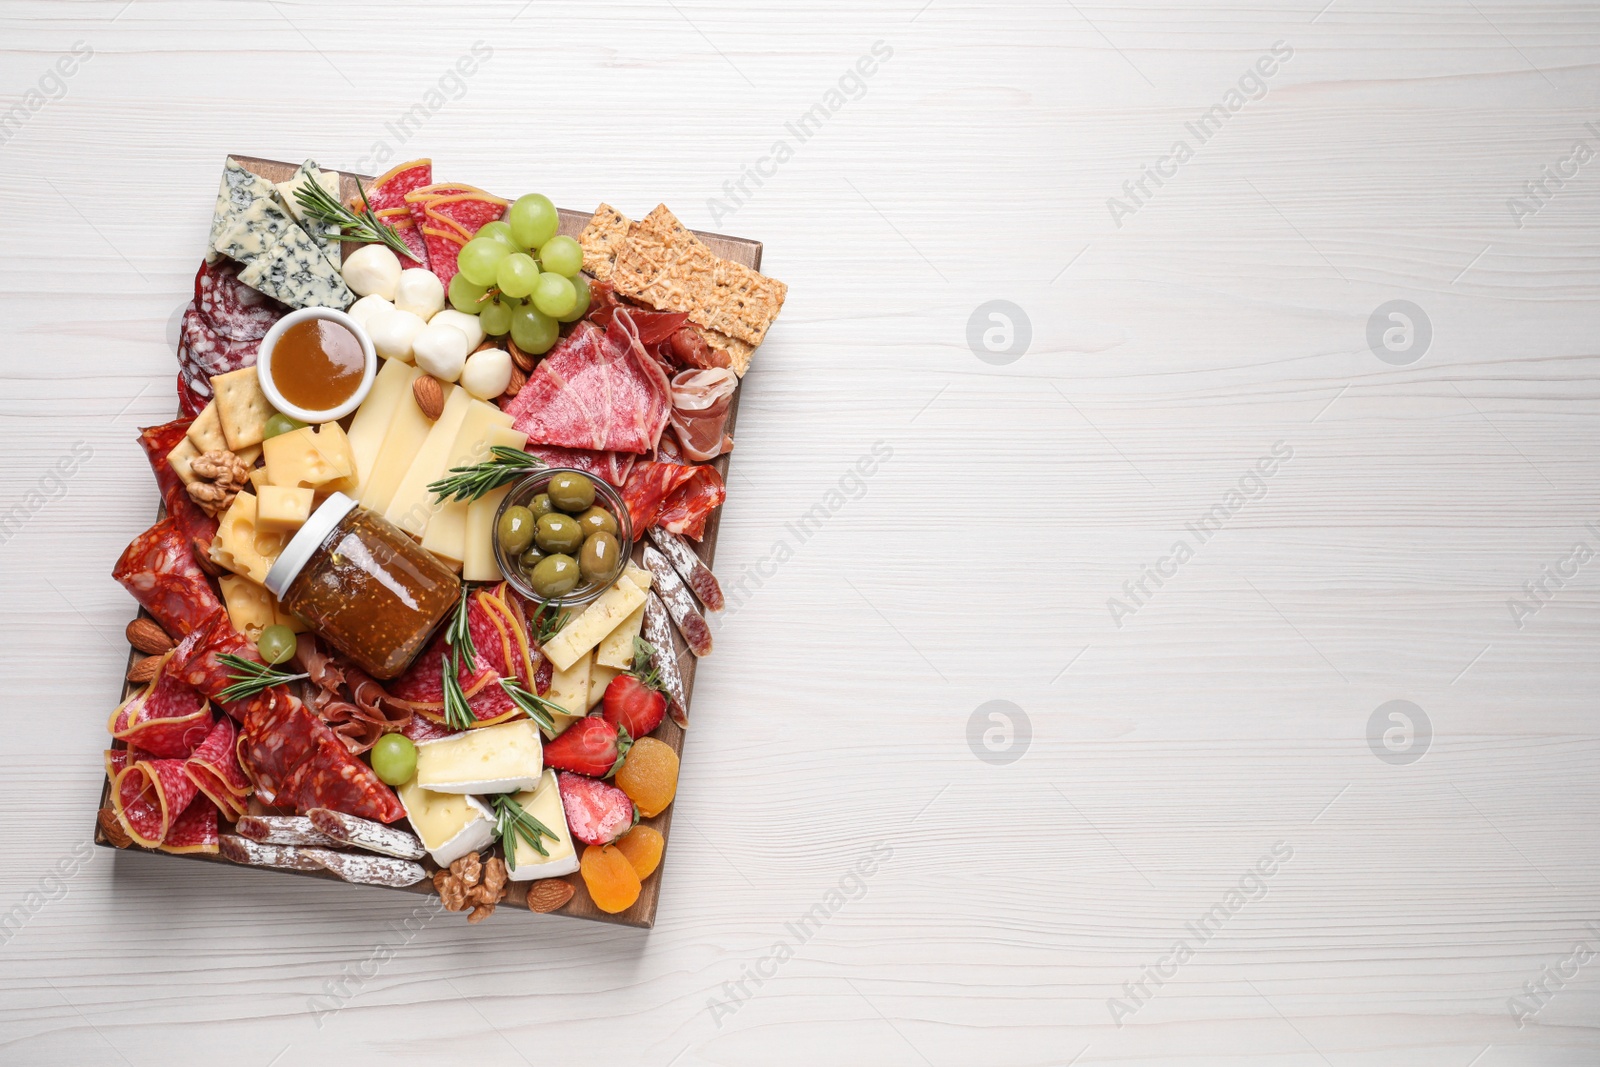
(472, 885)
(218, 477)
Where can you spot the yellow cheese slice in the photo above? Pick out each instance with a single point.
(599, 678)
(599, 618)
(485, 427)
(478, 563)
(560, 856)
(330, 440)
(280, 509)
(250, 606)
(412, 505)
(570, 689)
(616, 649)
(372, 419)
(407, 433)
(296, 460)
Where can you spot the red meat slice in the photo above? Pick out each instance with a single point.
(236, 311)
(387, 196)
(157, 441)
(160, 571)
(610, 467)
(195, 830)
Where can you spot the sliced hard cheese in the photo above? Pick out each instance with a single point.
(570, 689)
(371, 421)
(241, 546)
(252, 609)
(407, 433)
(310, 459)
(279, 509)
(494, 759)
(449, 824)
(334, 445)
(485, 426)
(412, 505)
(561, 857)
(478, 563)
(599, 678)
(295, 270)
(616, 650)
(205, 432)
(604, 614)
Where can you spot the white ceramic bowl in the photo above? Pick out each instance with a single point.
(264, 365)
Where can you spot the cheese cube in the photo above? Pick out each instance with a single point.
(599, 678)
(493, 759)
(604, 614)
(334, 445)
(569, 689)
(307, 459)
(240, 544)
(258, 478)
(279, 509)
(561, 857)
(449, 824)
(616, 650)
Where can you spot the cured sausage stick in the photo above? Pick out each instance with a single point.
(658, 631)
(689, 566)
(364, 833)
(365, 870)
(678, 600)
(281, 830)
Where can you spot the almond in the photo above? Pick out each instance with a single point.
(202, 556)
(429, 392)
(112, 828)
(518, 380)
(145, 669)
(548, 895)
(523, 361)
(147, 637)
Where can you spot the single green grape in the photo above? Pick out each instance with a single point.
(533, 331)
(276, 644)
(394, 759)
(580, 307)
(563, 255)
(554, 295)
(517, 275)
(480, 260)
(466, 297)
(280, 424)
(496, 317)
(499, 231)
(534, 220)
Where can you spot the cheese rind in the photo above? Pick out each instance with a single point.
(449, 824)
(544, 803)
(602, 616)
(493, 759)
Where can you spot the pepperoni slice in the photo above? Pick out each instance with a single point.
(160, 570)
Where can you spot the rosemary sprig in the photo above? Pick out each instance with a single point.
(252, 678)
(364, 225)
(512, 822)
(544, 626)
(459, 635)
(472, 481)
(539, 709)
(457, 715)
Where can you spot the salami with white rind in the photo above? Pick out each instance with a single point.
(366, 834)
(679, 601)
(368, 870)
(282, 830)
(658, 631)
(689, 566)
(256, 854)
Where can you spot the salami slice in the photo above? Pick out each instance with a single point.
(680, 604)
(274, 743)
(236, 311)
(449, 217)
(157, 441)
(210, 351)
(160, 571)
(195, 831)
(334, 778)
(193, 394)
(255, 854)
(387, 196)
(214, 766)
(689, 566)
(420, 729)
(675, 496)
(658, 631)
(197, 661)
(421, 687)
(149, 796)
(612, 467)
(167, 719)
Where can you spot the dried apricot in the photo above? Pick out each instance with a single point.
(649, 776)
(642, 845)
(613, 883)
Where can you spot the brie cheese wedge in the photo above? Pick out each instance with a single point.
(494, 759)
(450, 825)
(544, 804)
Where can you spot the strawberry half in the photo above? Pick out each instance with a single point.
(589, 746)
(597, 813)
(633, 706)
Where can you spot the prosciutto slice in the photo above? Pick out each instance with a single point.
(596, 390)
(673, 496)
(701, 400)
(610, 467)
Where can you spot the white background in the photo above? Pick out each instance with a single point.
(1169, 754)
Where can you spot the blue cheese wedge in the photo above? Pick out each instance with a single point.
(544, 804)
(494, 759)
(449, 825)
(240, 188)
(320, 232)
(255, 230)
(296, 272)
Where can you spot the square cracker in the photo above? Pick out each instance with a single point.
(242, 407)
(181, 457)
(602, 239)
(205, 433)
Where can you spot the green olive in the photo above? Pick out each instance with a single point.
(556, 532)
(541, 505)
(555, 575)
(599, 557)
(571, 492)
(529, 559)
(598, 520)
(276, 644)
(516, 530)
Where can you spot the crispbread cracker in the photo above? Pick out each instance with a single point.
(738, 352)
(205, 433)
(602, 239)
(744, 304)
(242, 406)
(180, 458)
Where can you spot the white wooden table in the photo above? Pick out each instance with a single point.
(1028, 886)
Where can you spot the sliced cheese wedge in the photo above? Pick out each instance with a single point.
(449, 824)
(478, 563)
(484, 427)
(569, 689)
(408, 431)
(494, 759)
(412, 505)
(561, 857)
(616, 650)
(604, 614)
(370, 424)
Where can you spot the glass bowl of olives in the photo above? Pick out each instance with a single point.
(562, 536)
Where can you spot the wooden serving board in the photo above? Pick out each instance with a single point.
(643, 911)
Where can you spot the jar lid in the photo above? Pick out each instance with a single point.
(292, 560)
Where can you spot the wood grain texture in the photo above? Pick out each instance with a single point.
(1167, 755)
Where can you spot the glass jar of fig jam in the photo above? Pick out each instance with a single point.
(363, 585)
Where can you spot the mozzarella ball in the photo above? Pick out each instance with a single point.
(469, 325)
(372, 269)
(369, 309)
(441, 350)
(487, 373)
(420, 292)
(394, 333)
